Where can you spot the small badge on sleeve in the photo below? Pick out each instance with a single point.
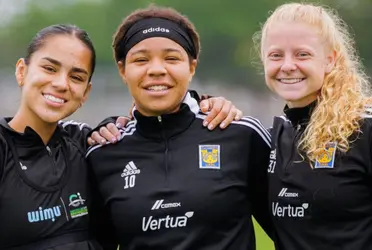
(209, 157)
(327, 157)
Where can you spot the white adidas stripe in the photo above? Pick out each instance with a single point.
(255, 125)
(129, 130)
(81, 125)
(131, 164)
(258, 123)
(129, 167)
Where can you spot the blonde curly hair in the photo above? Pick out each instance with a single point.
(345, 91)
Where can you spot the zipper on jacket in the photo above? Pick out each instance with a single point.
(294, 146)
(50, 153)
(166, 149)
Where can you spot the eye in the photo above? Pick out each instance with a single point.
(172, 58)
(49, 68)
(303, 54)
(275, 56)
(142, 59)
(77, 78)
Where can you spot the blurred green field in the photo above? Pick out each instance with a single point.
(263, 242)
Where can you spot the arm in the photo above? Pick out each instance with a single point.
(258, 178)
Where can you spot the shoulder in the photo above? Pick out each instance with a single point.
(71, 124)
(125, 133)
(246, 124)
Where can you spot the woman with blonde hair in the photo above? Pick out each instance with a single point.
(320, 165)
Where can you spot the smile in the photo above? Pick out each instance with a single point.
(290, 80)
(54, 99)
(158, 88)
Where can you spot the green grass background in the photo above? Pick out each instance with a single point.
(262, 240)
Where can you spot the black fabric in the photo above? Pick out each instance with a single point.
(158, 195)
(47, 211)
(319, 208)
(156, 27)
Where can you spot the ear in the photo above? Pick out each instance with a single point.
(86, 93)
(331, 60)
(21, 70)
(193, 65)
(121, 68)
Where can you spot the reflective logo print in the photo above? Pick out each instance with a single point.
(168, 221)
(289, 210)
(284, 193)
(129, 174)
(44, 214)
(159, 204)
(272, 163)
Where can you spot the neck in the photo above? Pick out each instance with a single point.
(23, 119)
(145, 112)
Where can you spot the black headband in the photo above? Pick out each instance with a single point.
(156, 27)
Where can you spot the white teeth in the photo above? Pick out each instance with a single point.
(291, 80)
(157, 88)
(54, 99)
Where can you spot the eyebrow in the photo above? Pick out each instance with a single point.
(58, 63)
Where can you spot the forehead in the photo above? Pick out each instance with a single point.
(293, 34)
(156, 44)
(67, 49)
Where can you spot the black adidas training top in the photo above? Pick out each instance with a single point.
(44, 194)
(171, 184)
(325, 208)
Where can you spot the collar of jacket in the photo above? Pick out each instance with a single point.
(30, 138)
(167, 125)
(300, 116)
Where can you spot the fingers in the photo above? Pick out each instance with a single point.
(232, 114)
(215, 105)
(122, 121)
(113, 132)
(91, 142)
(97, 138)
(223, 114)
(204, 105)
(239, 115)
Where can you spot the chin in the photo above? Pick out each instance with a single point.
(52, 117)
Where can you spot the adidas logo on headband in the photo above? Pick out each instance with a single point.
(158, 29)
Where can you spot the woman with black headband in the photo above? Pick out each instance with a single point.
(169, 183)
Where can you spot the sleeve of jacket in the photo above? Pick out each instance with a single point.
(80, 132)
(77, 131)
(258, 179)
(101, 226)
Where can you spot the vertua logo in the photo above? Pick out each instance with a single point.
(168, 221)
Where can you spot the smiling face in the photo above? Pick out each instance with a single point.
(296, 61)
(157, 71)
(55, 80)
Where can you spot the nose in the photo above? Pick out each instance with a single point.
(61, 82)
(288, 65)
(156, 68)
